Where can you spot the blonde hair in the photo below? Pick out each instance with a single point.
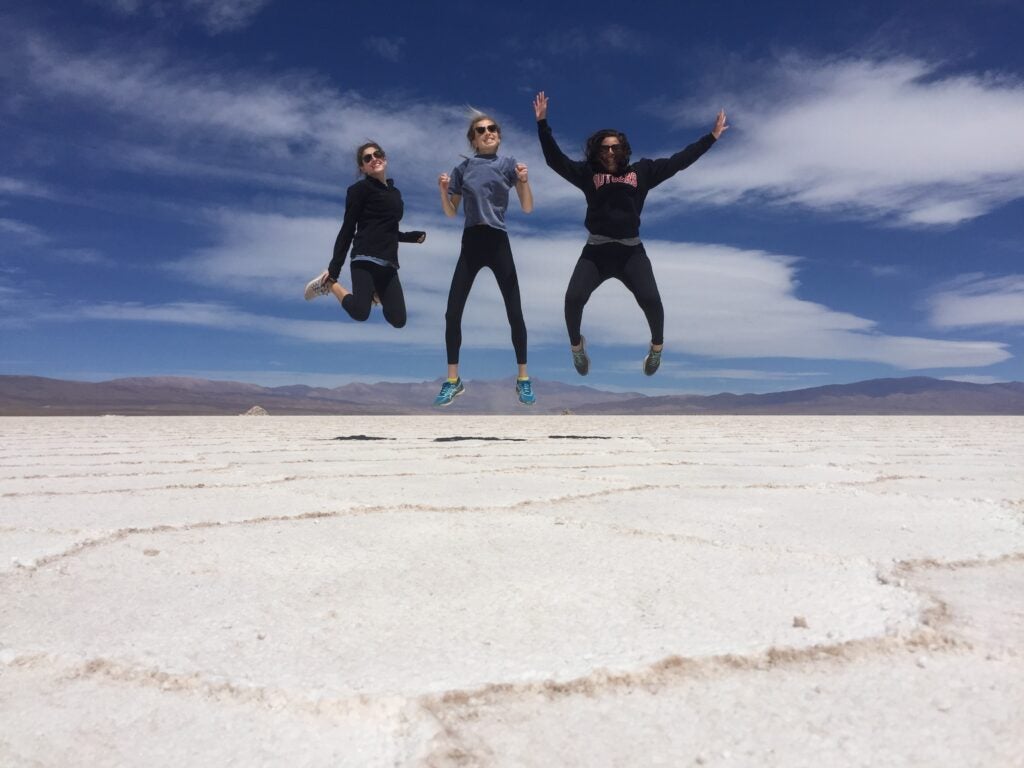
(476, 116)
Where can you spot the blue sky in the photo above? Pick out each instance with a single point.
(174, 172)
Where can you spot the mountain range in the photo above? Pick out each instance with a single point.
(172, 395)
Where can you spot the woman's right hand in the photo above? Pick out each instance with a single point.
(540, 106)
(442, 182)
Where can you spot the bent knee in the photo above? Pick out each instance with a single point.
(574, 299)
(652, 300)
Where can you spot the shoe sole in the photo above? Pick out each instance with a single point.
(311, 291)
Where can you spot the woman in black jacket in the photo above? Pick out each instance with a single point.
(373, 208)
(615, 190)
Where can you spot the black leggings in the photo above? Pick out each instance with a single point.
(628, 263)
(484, 246)
(369, 278)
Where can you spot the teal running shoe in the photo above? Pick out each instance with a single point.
(525, 391)
(651, 362)
(580, 359)
(449, 391)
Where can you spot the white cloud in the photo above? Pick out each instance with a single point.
(741, 374)
(884, 139)
(225, 15)
(22, 188)
(225, 317)
(29, 239)
(22, 232)
(976, 379)
(216, 16)
(389, 49)
(721, 302)
(888, 139)
(581, 42)
(977, 300)
(287, 132)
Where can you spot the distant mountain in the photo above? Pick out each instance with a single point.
(172, 395)
(914, 395)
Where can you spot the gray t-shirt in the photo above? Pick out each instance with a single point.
(484, 181)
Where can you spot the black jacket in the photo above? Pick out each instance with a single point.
(614, 202)
(370, 227)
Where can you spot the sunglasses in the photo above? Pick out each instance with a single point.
(615, 149)
(482, 129)
(379, 154)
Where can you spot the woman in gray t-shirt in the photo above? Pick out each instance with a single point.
(482, 183)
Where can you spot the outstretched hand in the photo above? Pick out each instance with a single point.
(540, 106)
(720, 124)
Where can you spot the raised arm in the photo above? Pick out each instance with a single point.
(353, 208)
(574, 172)
(668, 167)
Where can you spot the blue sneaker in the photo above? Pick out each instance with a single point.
(449, 391)
(580, 359)
(652, 361)
(525, 391)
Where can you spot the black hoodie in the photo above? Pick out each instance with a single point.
(614, 202)
(376, 208)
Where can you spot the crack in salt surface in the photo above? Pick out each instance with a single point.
(173, 487)
(449, 709)
(525, 468)
(48, 531)
(927, 563)
(147, 473)
(668, 670)
(123, 533)
(210, 686)
(458, 706)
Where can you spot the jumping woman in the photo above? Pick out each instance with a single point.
(482, 182)
(373, 208)
(615, 190)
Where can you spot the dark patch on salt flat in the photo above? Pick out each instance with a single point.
(362, 437)
(579, 437)
(458, 438)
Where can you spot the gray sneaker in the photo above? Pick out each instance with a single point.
(318, 286)
(651, 362)
(580, 359)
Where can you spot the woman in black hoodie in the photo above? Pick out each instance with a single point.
(615, 190)
(373, 208)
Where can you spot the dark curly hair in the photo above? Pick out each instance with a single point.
(594, 143)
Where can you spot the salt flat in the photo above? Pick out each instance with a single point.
(571, 590)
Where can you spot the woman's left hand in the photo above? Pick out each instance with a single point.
(422, 237)
(521, 172)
